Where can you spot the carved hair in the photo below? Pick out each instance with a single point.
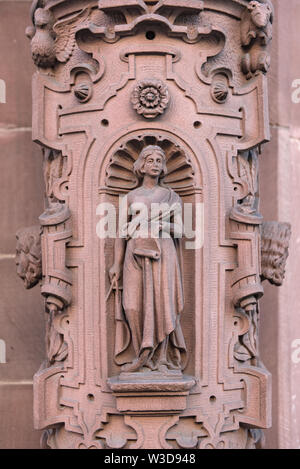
(30, 267)
(140, 162)
(275, 244)
(29, 241)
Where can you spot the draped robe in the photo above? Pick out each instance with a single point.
(149, 333)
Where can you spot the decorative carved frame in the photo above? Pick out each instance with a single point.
(91, 57)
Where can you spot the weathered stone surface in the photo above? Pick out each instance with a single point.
(21, 181)
(175, 112)
(279, 188)
(16, 66)
(21, 326)
(16, 423)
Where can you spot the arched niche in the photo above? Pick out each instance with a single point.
(116, 178)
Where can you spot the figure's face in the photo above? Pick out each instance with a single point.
(260, 13)
(27, 270)
(21, 263)
(154, 164)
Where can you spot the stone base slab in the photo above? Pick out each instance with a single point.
(151, 393)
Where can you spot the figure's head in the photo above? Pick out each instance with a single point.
(261, 13)
(42, 17)
(28, 255)
(151, 161)
(274, 251)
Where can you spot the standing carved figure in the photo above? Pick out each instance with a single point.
(149, 257)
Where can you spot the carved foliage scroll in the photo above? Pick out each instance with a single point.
(256, 35)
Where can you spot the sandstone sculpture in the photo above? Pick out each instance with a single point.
(152, 341)
(152, 284)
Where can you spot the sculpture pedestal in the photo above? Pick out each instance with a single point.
(151, 392)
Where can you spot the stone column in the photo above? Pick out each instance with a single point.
(279, 189)
(21, 195)
(152, 341)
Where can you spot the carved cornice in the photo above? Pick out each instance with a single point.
(76, 4)
(56, 24)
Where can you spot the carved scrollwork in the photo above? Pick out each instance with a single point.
(246, 285)
(56, 287)
(246, 348)
(134, 13)
(247, 288)
(186, 433)
(256, 34)
(29, 269)
(112, 431)
(56, 346)
(57, 278)
(190, 433)
(195, 432)
(57, 169)
(247, 178)
(116, 433)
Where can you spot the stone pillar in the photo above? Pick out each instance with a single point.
(21, 202)
(279, 189)
(152, 340)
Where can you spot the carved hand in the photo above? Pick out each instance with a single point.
(115, 272)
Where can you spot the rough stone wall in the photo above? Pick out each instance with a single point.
(21, 202)
(280, 196)
(21, 188)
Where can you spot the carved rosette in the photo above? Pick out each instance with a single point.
(150, 98)
(106, 73)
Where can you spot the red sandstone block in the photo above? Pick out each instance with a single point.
(16, 423)
(21, 185)
(21, 326)
(16, 64)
